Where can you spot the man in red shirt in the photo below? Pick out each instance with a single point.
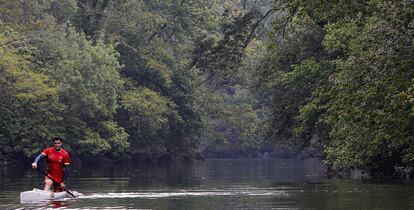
(58, 161)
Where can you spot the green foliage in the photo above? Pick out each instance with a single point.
(339, 35)
(338, 77)
(88, 81)
(229, 120)
(117, 78)
(290, 73)
(24, 15)
(115, 135)
(148, 105)
(28, 102)
(324, 12)
(370, 108)
(218, 60)
(91, 143)
(145, 115)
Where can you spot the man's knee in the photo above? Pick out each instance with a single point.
(48, 182)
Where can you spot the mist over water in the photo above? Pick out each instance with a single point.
(210, 184)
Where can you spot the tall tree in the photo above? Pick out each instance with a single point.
(29, 108)
(88, 81)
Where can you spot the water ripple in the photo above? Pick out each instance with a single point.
(186, 193)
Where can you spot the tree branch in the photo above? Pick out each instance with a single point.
(268, 13)
(80, 4)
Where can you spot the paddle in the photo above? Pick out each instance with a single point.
(55, 182)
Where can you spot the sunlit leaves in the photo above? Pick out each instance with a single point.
(92, 144)
(28, 105)
(115, 136)
(65, 70)
(147, 106)
(87, 77)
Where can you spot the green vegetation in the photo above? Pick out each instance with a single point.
(339, 77)
(157, 80)
(123, 79)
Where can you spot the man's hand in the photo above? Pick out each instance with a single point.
(63, 185)
(34, 165)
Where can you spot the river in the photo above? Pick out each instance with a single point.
(210, 184)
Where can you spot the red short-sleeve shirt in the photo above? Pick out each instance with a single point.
(55, 162)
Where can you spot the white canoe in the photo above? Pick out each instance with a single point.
(36, 195)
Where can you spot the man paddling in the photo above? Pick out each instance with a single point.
(58, 161)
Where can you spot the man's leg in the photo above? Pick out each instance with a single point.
(48, 184)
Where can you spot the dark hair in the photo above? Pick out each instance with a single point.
(57, 139)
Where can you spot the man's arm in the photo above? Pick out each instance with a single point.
(66, 174)
(38, 158)
(66, 164)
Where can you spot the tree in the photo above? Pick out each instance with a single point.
(291, 71)
(88, 83)
(371, 104)
(29, 108)
(349, 89)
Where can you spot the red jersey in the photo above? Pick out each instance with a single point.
(55, 162)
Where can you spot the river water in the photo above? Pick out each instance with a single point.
(210, 184)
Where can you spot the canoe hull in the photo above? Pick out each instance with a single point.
(41, 195)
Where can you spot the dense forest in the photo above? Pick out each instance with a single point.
(155, 80)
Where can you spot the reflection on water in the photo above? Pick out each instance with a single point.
(211, 184)
(57, 204)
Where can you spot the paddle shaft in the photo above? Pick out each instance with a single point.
(55, 182)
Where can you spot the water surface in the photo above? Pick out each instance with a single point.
(210, 184)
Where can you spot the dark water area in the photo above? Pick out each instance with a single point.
(209, 184)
